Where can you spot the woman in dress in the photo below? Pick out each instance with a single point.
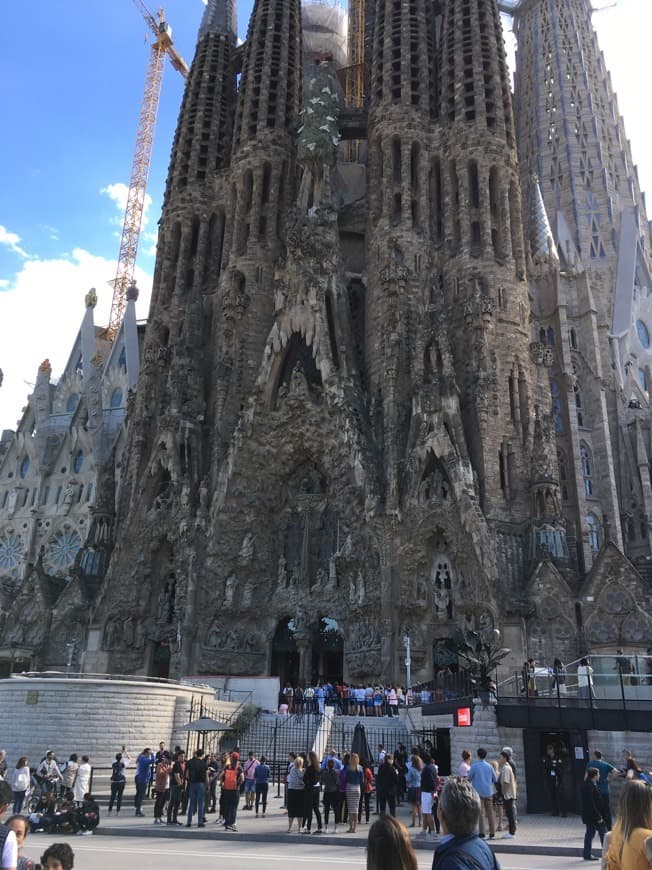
(413, 778)
(83, 780)
(354, 779)
(296, 794)
(627, 843)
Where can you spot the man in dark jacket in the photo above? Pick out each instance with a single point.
(592, 812)
(460, 848)
(387, 785)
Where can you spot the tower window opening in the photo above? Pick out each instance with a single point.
(396, 161)
(587, 469)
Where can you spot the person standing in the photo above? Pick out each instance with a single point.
(177, 786)
(261, 779)
(387, 785)
(413, 781)
(592, 811)
(231, 780)
(507, 781)
(20, 783)
(429, 786)
(330, 779)
(250, 766)
(460, 846)
(627, 847)
(49, 772)
(465, 764)
(584, 679)
(483, 778)
(553, 769)
(605, 770)
(354, 777)
(162, 786)
(143, 777)
(197, 775)
(295, 798)
(312, 787)
(69, 773)
(83, 780)
(8, 842)
(118, 782)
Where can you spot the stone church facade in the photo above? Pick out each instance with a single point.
(391, 379)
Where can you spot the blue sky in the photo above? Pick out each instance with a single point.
(73, 73)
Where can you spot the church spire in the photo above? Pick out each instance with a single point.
(220, 16)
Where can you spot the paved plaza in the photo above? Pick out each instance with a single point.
(171, 853)
(537, 834)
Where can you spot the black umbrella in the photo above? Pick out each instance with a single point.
(360, 745)
(204, 726)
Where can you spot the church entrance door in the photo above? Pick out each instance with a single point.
(285, 654)
(327, 652)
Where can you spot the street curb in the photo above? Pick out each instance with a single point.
(164, 832)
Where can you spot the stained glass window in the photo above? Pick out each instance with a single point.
(62, 551)
(11, 553)
(24, 467)
(643, 333)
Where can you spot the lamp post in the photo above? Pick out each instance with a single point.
(408, 660)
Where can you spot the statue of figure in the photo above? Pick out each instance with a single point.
(295, 574)
(247, 595)
(321, 579)
(203, 495)
(282, 574)
(360, 588)
(442, 602)
(421, 591)
(111, 634)
(247, 549)
(185, 496)
(229, 590)
(68, 495)
(163, 606)
(332, 573)
(213, 635)
(139, 636)
(11, 502)
(298, 383)
(128, 631)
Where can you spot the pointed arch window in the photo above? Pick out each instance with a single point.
(556, 406)
(587, 468)
(579, 405)
(594, 532)
(563, 474)
(24, 467)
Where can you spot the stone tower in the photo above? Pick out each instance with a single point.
(590, 300)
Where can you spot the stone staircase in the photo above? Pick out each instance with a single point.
(389, 732)
(274, 736)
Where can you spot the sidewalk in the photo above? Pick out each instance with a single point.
(536, 835)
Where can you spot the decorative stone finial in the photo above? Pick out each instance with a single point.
(132, 292)
(45, 367)
(91, 298)
(97, 359)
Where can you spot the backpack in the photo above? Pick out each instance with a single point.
(230, 779)
(117, 771)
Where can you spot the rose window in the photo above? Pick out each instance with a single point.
(11, 554)
(62, 551)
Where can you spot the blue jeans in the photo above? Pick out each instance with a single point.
(196, 791)
(591, 831)
(141, 789)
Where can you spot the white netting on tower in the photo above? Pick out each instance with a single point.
(325, 27)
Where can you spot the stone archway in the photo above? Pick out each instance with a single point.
(327, 651)
(285, 658)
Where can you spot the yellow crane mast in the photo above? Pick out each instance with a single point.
(355, 73)
(160, 48)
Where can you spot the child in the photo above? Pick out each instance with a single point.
(58, 856)
(19, 825)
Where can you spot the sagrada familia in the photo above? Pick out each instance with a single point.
(395, 378)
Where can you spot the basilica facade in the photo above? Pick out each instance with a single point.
(395, 375)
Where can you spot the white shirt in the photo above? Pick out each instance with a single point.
(10, 851)
(463, 769)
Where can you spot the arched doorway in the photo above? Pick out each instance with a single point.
(161, 655)
(327, 652)
(285, 655)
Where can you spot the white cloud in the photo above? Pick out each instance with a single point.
(41, 310)
(118, 194)
(3, 283)
(12, 241)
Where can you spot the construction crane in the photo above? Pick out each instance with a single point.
(355, 73)
(161, 48)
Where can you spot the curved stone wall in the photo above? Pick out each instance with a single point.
(93, 716)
